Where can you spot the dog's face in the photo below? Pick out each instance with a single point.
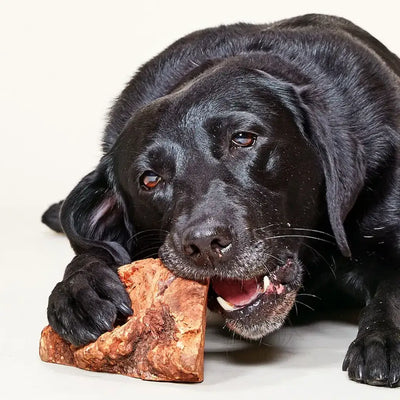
(221, 166)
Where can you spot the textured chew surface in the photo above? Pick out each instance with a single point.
(162, 341)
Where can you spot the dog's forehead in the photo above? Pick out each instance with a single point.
(197, 117)
(211, 98)
(217, 90)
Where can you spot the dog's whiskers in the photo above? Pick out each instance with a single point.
(332, 269)
(309, 230)
(149, 232)
(290, 228)
(304, 304)
(298, 236)
(265, 227)
(150, 236)
(276, 258)
(309, 294)
(148, 252)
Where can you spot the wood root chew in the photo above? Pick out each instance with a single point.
(162, 341)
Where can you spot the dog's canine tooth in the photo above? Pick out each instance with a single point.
(225, 304)
(266, 283)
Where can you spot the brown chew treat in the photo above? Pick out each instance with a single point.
(162, 341)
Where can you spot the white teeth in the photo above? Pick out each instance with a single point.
(266, 283)
(225, 305)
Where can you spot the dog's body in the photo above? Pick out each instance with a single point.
(265, 158)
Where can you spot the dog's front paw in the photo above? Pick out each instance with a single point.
(374, 358)
(87, 304)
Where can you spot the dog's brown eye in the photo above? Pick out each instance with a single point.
(244, 139)
(149, 180)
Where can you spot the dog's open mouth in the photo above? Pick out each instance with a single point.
(257, 306)
(233, 294)
(236, 294)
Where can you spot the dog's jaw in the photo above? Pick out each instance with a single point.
(249, 329)
(263, 306)
(254, 304)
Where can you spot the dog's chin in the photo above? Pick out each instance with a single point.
(255, 331)
(261, 319)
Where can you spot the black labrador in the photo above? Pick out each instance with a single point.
(262, 157)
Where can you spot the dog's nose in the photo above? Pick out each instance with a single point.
(207, 245)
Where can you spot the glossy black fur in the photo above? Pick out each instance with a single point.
(323, 98)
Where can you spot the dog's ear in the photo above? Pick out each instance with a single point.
(93, 216)
(341, 157)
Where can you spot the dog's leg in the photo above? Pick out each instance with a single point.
(374, 356)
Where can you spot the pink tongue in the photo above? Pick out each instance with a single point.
(235, 291)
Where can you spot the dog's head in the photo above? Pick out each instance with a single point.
(234, 168)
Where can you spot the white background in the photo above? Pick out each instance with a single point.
(61, 65)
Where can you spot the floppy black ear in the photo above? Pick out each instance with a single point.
(93, 216)
(341, 155)
(342, 161)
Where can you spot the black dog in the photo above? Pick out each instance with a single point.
(263, 157)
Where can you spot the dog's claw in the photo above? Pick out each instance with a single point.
(374, 359)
